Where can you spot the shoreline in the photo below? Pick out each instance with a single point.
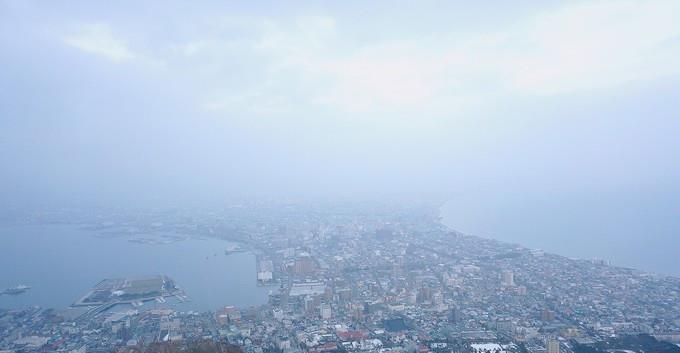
(594, 260)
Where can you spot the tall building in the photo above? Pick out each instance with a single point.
(508, 279)
(454, 315)
(325, 310)
(506, 327)
(357, 311)
(311, 303)
(344, 294)
(425, 294)
(553, 345)
(304, 265)
(437, 298)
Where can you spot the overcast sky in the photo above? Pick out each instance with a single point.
(127, 101)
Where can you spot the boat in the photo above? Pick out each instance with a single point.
(234, 248)
(16, 290)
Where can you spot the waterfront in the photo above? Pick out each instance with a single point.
(350, 279)
(631, 230)
(62, 262)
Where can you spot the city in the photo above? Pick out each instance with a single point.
(349, 279)
(314, 176)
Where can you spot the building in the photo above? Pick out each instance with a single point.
(265, 276)
(265, 271)
(487, 347)
(506, 327)
(228, 314)
(325, 311)
(344, 294)
(508, 279)
(425, 294)
(552, 345)
(311, 303)
(547, 315)
(437, 298)
(307, 288)
(304, 265)
(454, 315)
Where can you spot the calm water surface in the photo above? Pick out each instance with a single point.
(61, 263)
(637, 230)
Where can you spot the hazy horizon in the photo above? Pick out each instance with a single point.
(501, 107)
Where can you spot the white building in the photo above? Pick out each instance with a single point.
(508, 279)
(264, 276)
(307, 288)
(326, 311)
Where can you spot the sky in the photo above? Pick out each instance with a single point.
(175, 101)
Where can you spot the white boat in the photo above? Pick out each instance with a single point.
(16, 290)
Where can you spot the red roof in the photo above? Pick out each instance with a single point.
(351, 335)
(328, 346)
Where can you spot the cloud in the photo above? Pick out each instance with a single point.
(592, 45)
(308, 63)
(575, 48)
(99, 39)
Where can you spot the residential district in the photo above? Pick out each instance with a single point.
(367, 279)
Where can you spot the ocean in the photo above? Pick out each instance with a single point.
(640, 231)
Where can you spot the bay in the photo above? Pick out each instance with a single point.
(61, 262)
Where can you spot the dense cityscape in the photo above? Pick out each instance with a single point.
(358, 279)
(314, 176)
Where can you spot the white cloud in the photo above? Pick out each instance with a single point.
(384, 78)
(267, 66)
(594, 45)
(577, 48)
(99, 39)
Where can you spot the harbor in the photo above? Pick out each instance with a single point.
(129, 291)
(133, 291)
(208, 280)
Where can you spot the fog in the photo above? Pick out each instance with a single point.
(494, 105)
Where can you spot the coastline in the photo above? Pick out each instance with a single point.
(446, 222)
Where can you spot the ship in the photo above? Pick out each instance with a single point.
(233, 248)
(16, 290)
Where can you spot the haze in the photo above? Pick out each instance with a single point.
(537, 120)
